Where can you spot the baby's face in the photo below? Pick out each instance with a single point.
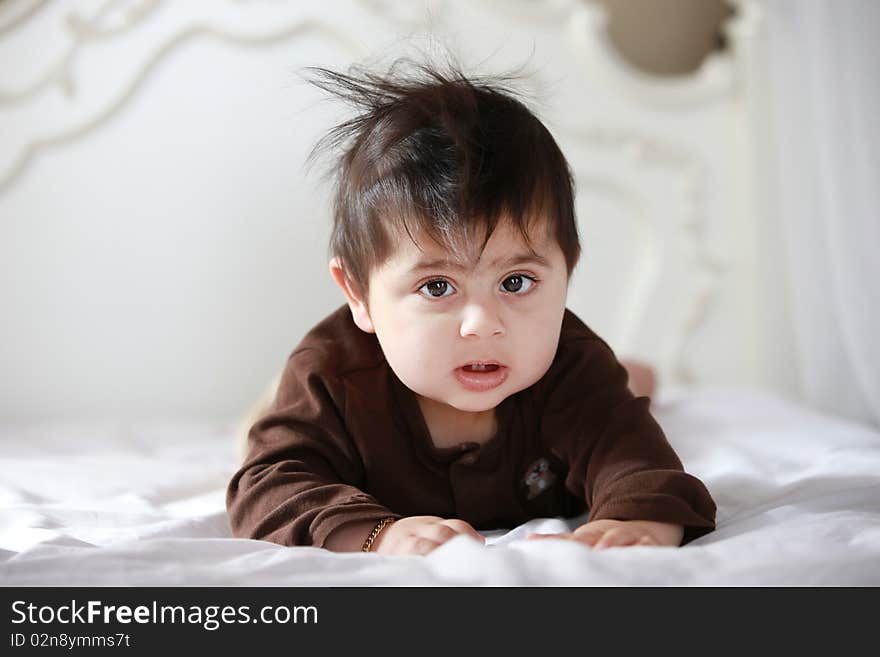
(434, 318)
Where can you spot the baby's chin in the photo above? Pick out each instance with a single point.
(475, 405)
(472, 402)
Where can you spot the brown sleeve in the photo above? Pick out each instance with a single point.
(620, 460)
(301, 478)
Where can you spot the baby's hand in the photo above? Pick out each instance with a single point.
(600, 534)
(420, 534)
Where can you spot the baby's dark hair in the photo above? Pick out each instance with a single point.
(442, 154)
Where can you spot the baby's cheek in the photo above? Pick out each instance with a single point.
(421, 369)
(534, 363)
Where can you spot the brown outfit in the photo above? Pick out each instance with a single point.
(346, 441)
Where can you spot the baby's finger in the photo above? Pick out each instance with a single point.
(419, 545)
(648, 540)
(589, 537)
(438, 533)
(616, 538)
(462, 527)
(532, 535)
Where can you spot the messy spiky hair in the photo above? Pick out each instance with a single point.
(438, 153)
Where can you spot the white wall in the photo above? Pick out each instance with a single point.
(163, 248)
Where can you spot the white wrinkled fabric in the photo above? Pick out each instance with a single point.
(798, 497)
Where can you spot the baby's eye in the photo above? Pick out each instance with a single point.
(436, 289)
(517, 283)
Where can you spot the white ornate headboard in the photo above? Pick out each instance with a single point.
(164, 248)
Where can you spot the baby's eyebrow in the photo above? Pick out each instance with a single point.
(512, 261)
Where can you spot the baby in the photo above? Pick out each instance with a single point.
(454, 391)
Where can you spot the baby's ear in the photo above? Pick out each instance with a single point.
(359, 312)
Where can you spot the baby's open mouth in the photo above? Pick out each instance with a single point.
(480, 367)
(478, 376)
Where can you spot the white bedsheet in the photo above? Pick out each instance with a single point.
(798, 497)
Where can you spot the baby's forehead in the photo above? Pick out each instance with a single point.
(469, 248)
(412, 252)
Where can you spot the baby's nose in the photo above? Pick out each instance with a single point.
(481, 320)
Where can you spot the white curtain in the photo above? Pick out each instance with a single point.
(823, 101)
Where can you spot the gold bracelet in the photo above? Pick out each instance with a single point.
(382, 524)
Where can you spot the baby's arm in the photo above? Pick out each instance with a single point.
(600, 534)
(631, 478)
(301, 480)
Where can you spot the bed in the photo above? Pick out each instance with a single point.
(798, 497)
(101, 483)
